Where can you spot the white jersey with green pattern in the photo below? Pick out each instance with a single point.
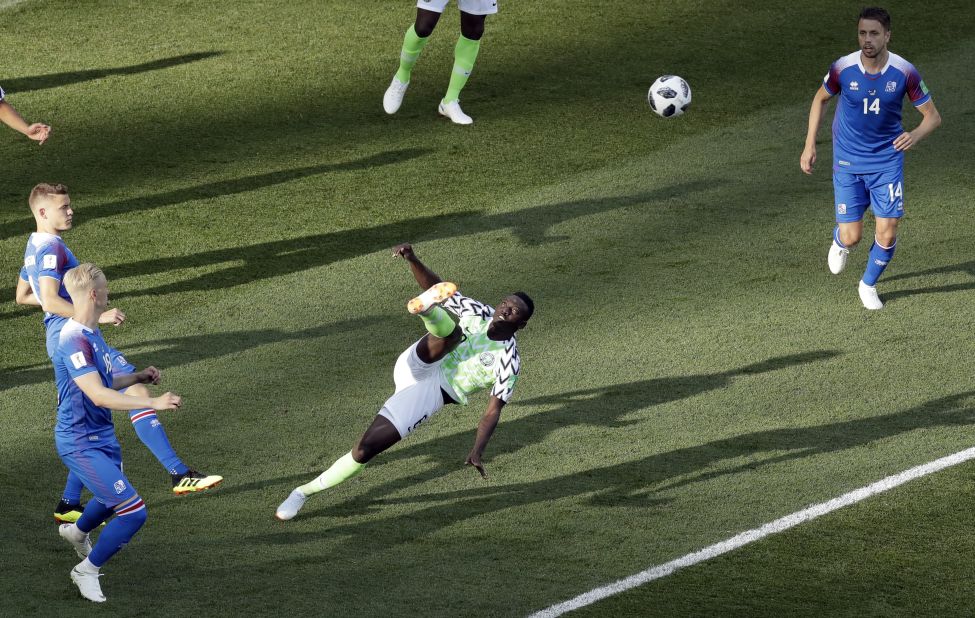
(478, 362)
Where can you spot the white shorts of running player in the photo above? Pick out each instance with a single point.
(418, 396)
(474, 7)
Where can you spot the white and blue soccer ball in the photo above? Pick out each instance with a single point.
(669, 96)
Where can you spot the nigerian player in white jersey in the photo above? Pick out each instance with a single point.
(447, 365)
(868, 144)
(8, 115)
(472, 16)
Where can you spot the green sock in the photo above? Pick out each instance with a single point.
(438, 322)
(342, 470)
(465, 53)
(412, 46)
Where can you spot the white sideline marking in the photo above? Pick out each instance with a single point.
(755, 534)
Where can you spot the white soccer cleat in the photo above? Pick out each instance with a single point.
(437, 294)
(837, 258)
(394, 95)
(78, 539)
(290, 507)
(869, 297)
(88, 586)
(453, 111)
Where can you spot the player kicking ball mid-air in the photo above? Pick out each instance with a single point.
(46, 260)
(88, 391)
(448, 364)
(472, 16)
(868, 144)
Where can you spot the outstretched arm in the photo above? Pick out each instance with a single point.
(931, 120)
(423, 275)
(9, 116)
(808, 158)
(485, 428)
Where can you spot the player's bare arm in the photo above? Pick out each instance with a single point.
(53, 303)
(423, 275)
(816, 110)
(485, 429)
(149, 375)
(930, 121)
(25, 295)
(102, 396)
(36, 131)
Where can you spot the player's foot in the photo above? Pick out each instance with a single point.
(434, 296)
(290, 507)
(453, 111)
(194, 480)
(87, 583)
(869, 297)
(394, 95)
(78, 539)
(837, 258)
(67, 512)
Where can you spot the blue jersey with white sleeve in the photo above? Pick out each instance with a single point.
(81, 424)
(868, 111)
(47, 256)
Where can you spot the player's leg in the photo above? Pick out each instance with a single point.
(851, 199)
(472, 17)
(413, 43)
(887, 197)
(69, 508)
(444, 334)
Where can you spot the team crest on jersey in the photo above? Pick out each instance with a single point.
(854, 86)
(486, 358)
(891, 87)
(841, 209)
(119, 486)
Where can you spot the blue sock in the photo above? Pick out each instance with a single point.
(72, 489)
(94, 514)
(152, 434)
(880, 256)
(836, 237)
(118, 532)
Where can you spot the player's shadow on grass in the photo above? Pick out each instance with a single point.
(176, 351)
(56, 80)
(87, 214)
(628, 484)
(273, 259)
(964, 267)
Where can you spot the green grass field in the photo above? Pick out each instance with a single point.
(692, 370)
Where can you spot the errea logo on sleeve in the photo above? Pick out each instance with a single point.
(50, 261)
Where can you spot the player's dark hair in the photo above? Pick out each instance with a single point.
(45, 189)
(877, 14)
(528, 302)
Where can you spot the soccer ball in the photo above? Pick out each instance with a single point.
(669, 96)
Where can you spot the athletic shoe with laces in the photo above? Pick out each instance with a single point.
(194, 480)
(78, 539)
(836, 259)
(453, 111)
(67, 512)
(87, 583)
(437, 294)
(394, 95)
(869, 297)
(291, 505)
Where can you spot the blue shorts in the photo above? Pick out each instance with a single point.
(100, 469)
(883, 191)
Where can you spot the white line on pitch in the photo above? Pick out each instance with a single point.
(750, 536)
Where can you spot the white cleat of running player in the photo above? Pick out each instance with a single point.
(837, 258)
(869, 297)
(393, 98)
(78, 539)
(87, 583)
(453, 111)
(291, 505)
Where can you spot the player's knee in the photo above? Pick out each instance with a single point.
(363, 452)
(850, 237)
(886, 239)
(472, 26)
(426, 21)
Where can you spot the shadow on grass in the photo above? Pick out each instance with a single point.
(630, 484)
(177, 351)
(87, 214)
(56, 80)
(263, 261)
(964, 267)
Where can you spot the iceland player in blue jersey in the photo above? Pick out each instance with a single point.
(88, 389)
(46, 259)
(869, 143)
